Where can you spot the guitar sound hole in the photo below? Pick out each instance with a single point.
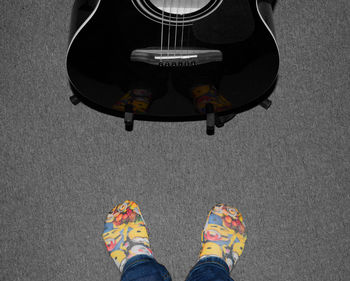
(173, 12)
(180, 7)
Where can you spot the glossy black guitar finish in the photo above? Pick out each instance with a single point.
(107, 36)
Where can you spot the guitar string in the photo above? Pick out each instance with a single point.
(188, 33)
(176, 22)
(169, 27)
(162, 33)
(191, 6)
(183, 25)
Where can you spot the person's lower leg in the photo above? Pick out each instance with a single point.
(223, 239)
(125, 234)
(126, 239)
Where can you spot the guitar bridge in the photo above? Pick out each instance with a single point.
(175, 57)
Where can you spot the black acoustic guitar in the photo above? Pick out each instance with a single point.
(113, 41)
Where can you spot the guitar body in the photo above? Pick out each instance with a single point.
(112, 40)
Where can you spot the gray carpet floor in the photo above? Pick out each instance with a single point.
(286, 169)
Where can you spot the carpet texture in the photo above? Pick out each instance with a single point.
(64, 167)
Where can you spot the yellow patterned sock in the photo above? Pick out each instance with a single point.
(204, 94)
(125, 233)
(139, 98)
(224, 234)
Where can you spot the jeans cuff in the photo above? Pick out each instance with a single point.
(137, 260)
(213, 260)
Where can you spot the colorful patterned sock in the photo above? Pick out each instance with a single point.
(139, 98)
(224, 234)
(125, 233)
(204, 94)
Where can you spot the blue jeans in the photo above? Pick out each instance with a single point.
(145, 268)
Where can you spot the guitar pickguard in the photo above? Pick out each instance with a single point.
(232, 22)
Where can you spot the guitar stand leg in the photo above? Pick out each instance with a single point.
(129, 118)
(74, 99)
(266, 104)
(209, 109)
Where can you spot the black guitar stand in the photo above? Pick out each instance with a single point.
(209, 110)
(74, 100)
(129, 118)
(212, 119)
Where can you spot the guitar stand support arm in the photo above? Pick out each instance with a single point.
(209, 110)
(212, 120)
(266, 104)
(129, 118)
(74, 100)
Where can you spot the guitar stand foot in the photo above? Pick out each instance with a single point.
(74, 100)
(209, 109)
(266, 104)
(129, 118)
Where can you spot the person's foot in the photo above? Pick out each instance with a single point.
(224, 234)
(125, 233)
(140, 99)
(204, 94)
